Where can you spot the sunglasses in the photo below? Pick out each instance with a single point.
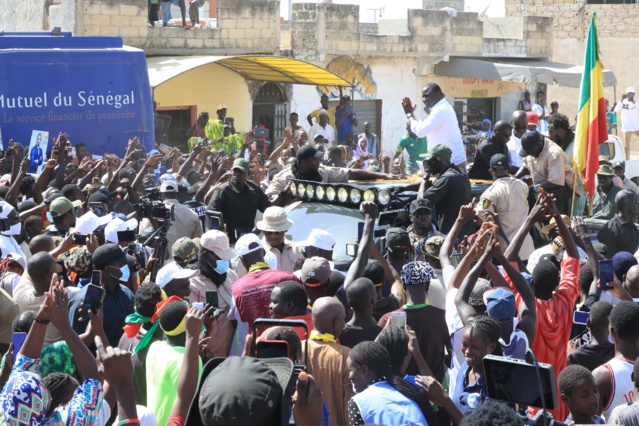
(273, 232)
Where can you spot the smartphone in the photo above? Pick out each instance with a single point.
(606, 274)
(216, 220)
(398, 319)
(272, 349)
(261, 133)
(580, 317)
(360, 231)
(126, 236)
(96, 278)
(211, 298)
(80, 239)
(93, 298)
(18, 341)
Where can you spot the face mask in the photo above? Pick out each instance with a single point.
(125, 274)
(222, 266)
(49, 217)
(14, 229)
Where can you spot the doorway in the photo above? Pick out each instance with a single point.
(270, 111)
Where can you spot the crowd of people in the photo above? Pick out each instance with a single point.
(162, 288)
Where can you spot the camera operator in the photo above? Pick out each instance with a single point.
(185, 222)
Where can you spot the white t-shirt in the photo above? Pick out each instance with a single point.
(629, 115)
(542, 127)
(514, 146)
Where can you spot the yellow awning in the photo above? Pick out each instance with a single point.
(262, 68)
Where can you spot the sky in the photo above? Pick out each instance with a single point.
(392, 9)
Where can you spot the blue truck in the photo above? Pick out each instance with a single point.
(93, 88)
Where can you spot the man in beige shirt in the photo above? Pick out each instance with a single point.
(186, 222)
(215, 254)
(327, 359)
(9, 309)
(508, 197)
(545, 161)
(30, 291)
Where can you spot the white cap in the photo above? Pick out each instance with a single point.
(320, 239)
(630, 89)
(248, 243)
(118, 225)
(19, 260)
(5, 178)
(169, 186)
(173, 271)
(87, 223)
(218, 243)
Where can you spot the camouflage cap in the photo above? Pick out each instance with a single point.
(78, 261)
(433, 245)
(184, 249)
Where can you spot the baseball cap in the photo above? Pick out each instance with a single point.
(87, 223)
(106, 254)
(62, 205)
(374, 271)
(604, 170)
(260, 394)
(622, 261)
(528, 142)
(499, 161)
(318, 137)
(317, 270)
(218, 243)
(421, 204)
(221, 106)
(242, 164)
(248, 243)
(477, 295)
(397, 237)
(630, 89)
(173, 271)
(439, 150)
(533, 118)
(320, 239)
(621, 164)
(167, 177)
(307, 151)
(184, 249)
(415, 273)
(553, 224)
(118, 225)
(500, 304)
(433, 246)
(78, 261)
(169, 186)
(625, 196)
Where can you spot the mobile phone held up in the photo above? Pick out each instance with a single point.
(211, 298)
(18, 340)
(92, 299)
(606, 274)
(580, 317)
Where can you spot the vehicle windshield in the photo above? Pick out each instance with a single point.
(339, 221)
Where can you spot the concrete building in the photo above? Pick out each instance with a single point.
(386, 60)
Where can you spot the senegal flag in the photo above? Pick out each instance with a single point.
(592, 129)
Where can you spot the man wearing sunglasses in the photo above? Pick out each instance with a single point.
(620, 232)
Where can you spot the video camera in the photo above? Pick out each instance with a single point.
(151, 206)
(525, 384)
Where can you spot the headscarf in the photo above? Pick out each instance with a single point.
(24, 400)
(488, 132)
(135, 321)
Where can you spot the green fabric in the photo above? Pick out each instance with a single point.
(163, 363)
(611, 118)
(214, 130)
(55, 358)
(409, 307)
(147, 337)
(603, 206)
(136, 318)
(233, 143)
(414, 148)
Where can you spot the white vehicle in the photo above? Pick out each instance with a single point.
(615, 150)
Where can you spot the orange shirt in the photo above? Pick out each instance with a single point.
(554, 322)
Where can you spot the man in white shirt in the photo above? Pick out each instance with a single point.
(441, 126)
(322, 128)
(519, 121)
(629, 117)
(541, 109)
(619, 169)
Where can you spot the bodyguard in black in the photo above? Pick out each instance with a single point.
(496, 144)
(449, 191)
(620, 232)
(239, 200)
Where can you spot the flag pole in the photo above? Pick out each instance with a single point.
(574, 195)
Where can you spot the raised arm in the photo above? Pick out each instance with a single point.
(188, 377)
(466, 311)
(370, 211)
(12, 195)
(537, 213)
(391, 274)
(466, 213)
(564, 232)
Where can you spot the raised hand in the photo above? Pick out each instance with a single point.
(408, 105)
(368, 208)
